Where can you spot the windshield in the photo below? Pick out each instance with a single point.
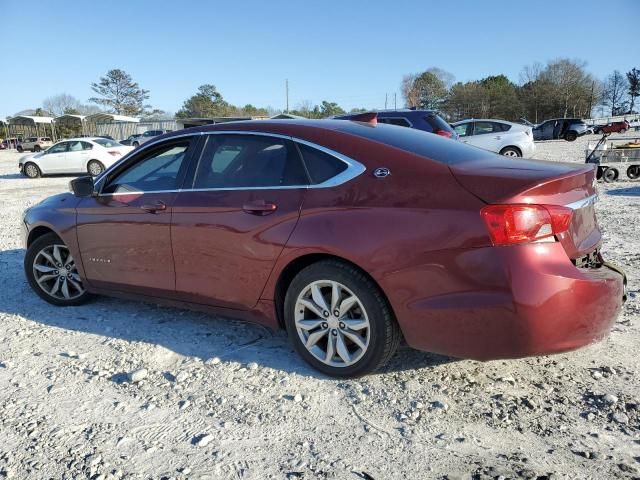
(105, 142)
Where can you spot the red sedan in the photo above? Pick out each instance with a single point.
(350, 235)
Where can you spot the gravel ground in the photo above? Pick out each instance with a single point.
(117, 389)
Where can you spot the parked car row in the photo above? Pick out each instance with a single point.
(139, 138)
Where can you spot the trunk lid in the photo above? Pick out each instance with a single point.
(501, 180)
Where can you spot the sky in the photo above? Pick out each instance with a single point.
(351, 52)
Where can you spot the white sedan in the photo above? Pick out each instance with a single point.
(500, 136)
(90, 155)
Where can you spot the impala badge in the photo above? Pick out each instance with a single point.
(381, 172)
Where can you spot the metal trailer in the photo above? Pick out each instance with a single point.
(621, 154)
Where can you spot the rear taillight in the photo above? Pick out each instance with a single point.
(514, 224)
(444, 133)
(114, 153)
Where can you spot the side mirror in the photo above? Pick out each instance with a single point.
(82, 186)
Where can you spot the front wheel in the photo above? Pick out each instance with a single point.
(510, 152)
(31, 170)
(95, 168)
(570, 136)
(610, 174)
(338, 320)
(633, 172)
(20, 149)
(51, 272)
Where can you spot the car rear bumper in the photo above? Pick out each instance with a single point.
(529, 300)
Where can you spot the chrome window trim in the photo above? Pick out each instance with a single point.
(585, 202)
(353, 170)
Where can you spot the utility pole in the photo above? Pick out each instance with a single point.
(385, 101)
(286, 86)
(395, 98)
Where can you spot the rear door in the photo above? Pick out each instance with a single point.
(487, 135)
(124, 232)
(78, 156)
(229, 228)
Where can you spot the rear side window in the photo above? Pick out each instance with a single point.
(249, 161)
(321, 166)
(401, 122)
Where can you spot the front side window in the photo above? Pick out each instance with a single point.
(248, 161)
(59, 147)
(158, 170)
(464, 129)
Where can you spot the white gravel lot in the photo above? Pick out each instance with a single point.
(223, 399)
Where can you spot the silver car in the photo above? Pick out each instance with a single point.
(146, 136)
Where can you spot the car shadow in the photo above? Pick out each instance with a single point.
(19, 175)
(625, 192)
(184, 332)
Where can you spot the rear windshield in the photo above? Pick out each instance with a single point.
(437, 123)
(105, 142)
(429, 145)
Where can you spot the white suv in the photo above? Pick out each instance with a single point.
(34, 144)
(500, 136)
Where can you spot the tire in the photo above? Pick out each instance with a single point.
(511, 152)
(570, 136)
(32, 170)
(135, 144)
(37, 148)
(95, 168)
(364, 304)
(52, 274)
(610, 174)
(633, 172)
(623, 131)
(20, 149)
(600, 172)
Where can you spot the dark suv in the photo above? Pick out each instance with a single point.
(427, 120)
(557, 128)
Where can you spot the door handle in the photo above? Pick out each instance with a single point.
(156, 207)
(259, 207)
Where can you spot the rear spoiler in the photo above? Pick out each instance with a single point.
(368, 117)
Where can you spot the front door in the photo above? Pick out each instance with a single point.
(54, 160)
(230, 227)
(124, 232)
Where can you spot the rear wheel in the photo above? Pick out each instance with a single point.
(20, 149)
(610, 174)
(624, 130)
(338, 320)
(52, 273)
(95, 168)
(570, 136)
(136, 144)
(37, 148)
(633, 172)
(31, 170)
(511, 152)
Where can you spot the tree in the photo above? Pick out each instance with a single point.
(120, 94)
(59, 104)
(328, 109)
(633, 78)
(614, 91)
(428, 89)
(208, 102)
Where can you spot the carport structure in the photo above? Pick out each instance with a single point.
(118, 126)
(32, 126)
(74, 122)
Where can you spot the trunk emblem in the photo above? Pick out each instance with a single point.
(381, 172)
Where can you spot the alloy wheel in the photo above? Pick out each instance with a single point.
(332, 323)
(31, 170)
(95, 168)
(510, 153)
(56, 274)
